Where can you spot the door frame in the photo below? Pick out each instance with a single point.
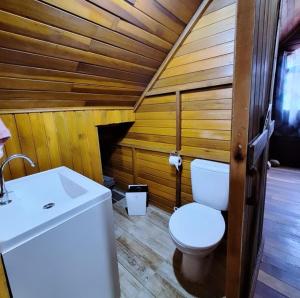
(243, 84)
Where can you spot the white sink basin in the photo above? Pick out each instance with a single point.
(26, 216)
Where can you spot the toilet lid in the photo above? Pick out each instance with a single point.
(197, 226)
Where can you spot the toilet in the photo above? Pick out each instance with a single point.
(197, 228)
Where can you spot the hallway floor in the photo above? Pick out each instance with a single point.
(279, 274)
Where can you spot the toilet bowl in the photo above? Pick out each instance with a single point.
(196, 231)
(197, 228)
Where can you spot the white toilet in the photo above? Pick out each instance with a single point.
(197, 228)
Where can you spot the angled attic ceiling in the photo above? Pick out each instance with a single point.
(78, 52)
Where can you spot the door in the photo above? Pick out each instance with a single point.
(255, 57)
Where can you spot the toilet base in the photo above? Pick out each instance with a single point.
(195, 268)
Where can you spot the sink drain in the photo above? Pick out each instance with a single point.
(49, 205)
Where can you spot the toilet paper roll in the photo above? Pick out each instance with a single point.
(175, 160)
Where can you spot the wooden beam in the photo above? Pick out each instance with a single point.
(134, 165)
(198, 14)
(178, 121)
(178, 147)
(240, 122)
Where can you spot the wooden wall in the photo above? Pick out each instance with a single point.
(53, 138)
(206, 56)
(205, 59)
(84, 52)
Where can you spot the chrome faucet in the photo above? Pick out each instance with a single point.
(3, 192)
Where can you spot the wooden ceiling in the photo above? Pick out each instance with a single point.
(79, 52)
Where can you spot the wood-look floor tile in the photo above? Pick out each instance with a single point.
(148, 257)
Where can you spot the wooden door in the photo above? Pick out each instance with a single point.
(255, 53)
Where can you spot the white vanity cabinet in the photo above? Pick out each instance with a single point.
(71, 254)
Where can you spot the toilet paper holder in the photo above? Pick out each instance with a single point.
(175, 160)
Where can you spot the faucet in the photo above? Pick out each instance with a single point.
(3, 192)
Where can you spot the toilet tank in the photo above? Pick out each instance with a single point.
(210, 183)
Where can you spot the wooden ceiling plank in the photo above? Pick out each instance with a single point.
(101, 17)
(39, 85)
(201, 65)
(85, 52)
(127, 43)
(99, 86)
(105, 49)
(53, 16)
(136, 17)
(206, 42)
(212, 29)
(9, 70)
(29, 104)
(143, 36)
(32, 45)
(28, 84)
(105, 90)
(50, 95)
(28, 59)
(216, 16)
(24, 26)
(179, 9)
(159, 13)
(113, 73)
(64, 107)
(212, 52)
(218, 4)
(203, 6)
(207, 74)
(117, 104)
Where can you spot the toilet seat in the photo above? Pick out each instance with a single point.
(196, 226)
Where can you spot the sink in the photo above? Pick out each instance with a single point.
(46, 209)
(25, 216)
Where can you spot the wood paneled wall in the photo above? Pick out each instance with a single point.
(58, 137)
(95, 52)
(204, 59)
